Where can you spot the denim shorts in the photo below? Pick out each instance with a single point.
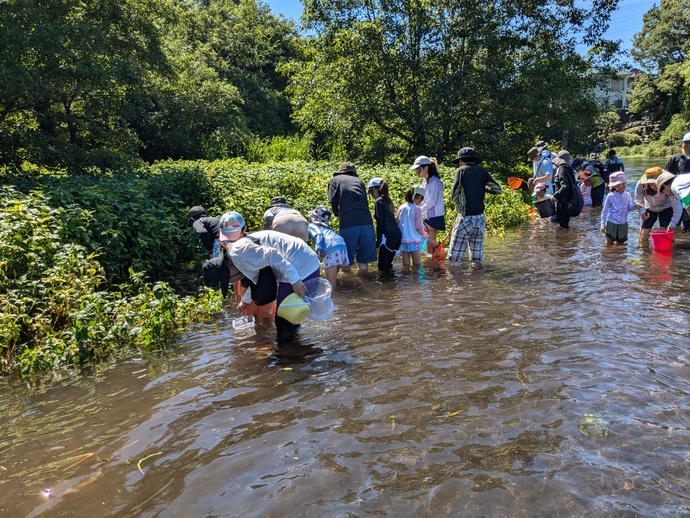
(360, 242)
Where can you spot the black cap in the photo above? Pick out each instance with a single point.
(466, 154)
(196, 212)
(277, 200)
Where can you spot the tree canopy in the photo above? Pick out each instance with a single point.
(415, 76)
(662, 48)
(102, 83)
(106, 84)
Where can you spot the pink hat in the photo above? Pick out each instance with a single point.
(539, 187)
(617, 179)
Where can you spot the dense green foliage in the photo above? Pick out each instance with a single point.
(58, 304)
(662, 47)
(104, 84)
(394, 78)
(108, 84)
(88, 262)
(248, 187)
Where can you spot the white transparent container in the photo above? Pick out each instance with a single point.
(318, 297)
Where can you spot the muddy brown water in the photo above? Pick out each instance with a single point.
(555, 382)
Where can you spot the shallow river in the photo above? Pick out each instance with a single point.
(555, 382)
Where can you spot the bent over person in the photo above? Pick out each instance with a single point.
(471, 184)
(279, 216)
(290, 258)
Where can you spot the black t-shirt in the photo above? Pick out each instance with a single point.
(348, 198)
(207, 229)
(474, 180)
(386, 225)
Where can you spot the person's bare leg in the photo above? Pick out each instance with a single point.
(332, 275)
(416, 257)
(644, 235)
(431, 244)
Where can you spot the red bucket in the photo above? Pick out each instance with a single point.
(662, 240)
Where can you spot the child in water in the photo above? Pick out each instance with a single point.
(411, 227)
(388, 235)
(585, 183)
(614, 215)
(329, 246)
(540, 194)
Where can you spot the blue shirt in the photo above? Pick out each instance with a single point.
(325, 239)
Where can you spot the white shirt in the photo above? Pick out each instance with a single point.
(433, 205)
(290, 258)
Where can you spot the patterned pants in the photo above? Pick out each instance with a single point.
(468, 230)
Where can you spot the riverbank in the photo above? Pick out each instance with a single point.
(95, 267)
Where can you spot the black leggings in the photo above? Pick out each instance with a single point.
(562, 215)
(386, 257)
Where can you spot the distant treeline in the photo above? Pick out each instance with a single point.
(108, 84)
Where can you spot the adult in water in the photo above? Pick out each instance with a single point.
(290, 258)
(433, 208)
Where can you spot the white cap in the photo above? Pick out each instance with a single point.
(420, 161)
(686, 137)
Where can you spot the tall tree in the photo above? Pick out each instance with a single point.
(413, 76)
(66, 68)
(662, 48)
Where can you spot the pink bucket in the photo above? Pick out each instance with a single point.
(662, 240)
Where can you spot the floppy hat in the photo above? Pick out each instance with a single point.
(532, 153)
(541, 145)
(420, 191)
(231, 225)
(465, 154)
(277, 200)
(664, 177)
(294, 309)
(539, 187)
(650, 175)
(374, 182)
(420, 161)
(563, 158)
(617, 179)
(320, 215)
(347, 167)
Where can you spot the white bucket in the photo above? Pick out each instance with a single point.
(318, 297)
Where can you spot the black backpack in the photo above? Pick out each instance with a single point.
(569, 197)
(575, 201)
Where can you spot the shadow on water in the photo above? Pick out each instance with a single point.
(554, 382)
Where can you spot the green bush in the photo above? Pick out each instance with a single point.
(57, 306)
(624, 138)
(248, 188)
